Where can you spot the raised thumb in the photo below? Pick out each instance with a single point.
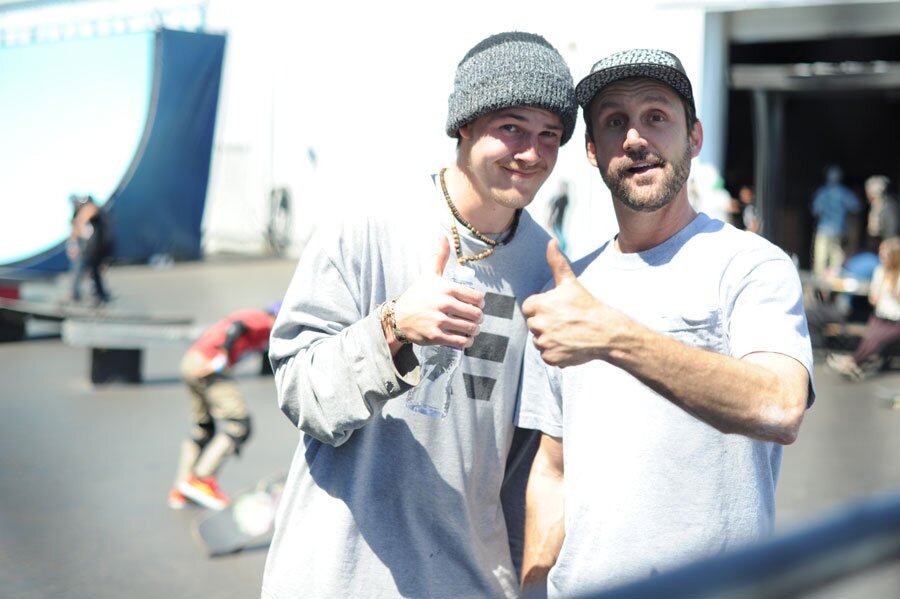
(440, 259)
(559, 265)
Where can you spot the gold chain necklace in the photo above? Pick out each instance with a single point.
(457, 246)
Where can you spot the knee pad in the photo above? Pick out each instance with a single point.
(239, 431)
(202, 433)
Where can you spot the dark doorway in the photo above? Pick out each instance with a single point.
(857, 129)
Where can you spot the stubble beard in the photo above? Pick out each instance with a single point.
(512, 202)
(515, 198)
(672, 183)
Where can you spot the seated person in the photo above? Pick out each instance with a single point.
(883, 327)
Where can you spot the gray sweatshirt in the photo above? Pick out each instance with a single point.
(381, 501)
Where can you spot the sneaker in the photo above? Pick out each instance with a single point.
(98, 303)
(177, 501)
(204, 491)
(845, 366)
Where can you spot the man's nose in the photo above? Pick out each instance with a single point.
(529, 151)
(634, 140)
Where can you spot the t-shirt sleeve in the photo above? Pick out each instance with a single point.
(765, 310)
(540, 397)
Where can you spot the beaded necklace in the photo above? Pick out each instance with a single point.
(492, 244)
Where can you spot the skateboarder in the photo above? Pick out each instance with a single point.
(216, 399)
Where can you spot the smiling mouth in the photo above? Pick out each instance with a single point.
(642, 168)
(521, 173)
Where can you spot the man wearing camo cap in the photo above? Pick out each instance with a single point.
(382, 501)
(669, 366)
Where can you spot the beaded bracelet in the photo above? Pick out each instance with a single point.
(389, 318)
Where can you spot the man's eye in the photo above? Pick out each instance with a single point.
(615, 121)
(509, 128)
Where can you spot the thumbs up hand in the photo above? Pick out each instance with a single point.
(570, 326)
(435, 311)
(558, 263)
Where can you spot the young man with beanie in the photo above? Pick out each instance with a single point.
(668, 367)
(382, 501)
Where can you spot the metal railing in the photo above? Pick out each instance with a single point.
(795, 564)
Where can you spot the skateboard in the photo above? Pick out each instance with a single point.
(249, 521)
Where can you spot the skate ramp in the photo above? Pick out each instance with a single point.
(157, 207)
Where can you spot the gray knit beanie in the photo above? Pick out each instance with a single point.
(512, 69)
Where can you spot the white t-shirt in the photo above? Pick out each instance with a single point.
(888, 305)
(647, 485)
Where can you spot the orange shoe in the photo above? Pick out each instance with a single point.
(177, 501)
(204, 491)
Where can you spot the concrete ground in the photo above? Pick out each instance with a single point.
(846, 452)
(84, 470)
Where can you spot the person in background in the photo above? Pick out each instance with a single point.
(557, 218)
(89, 245)
(219, 416)
(884, 213)
(707, 194)
(883, 327)
(749, 212)
(830, 205)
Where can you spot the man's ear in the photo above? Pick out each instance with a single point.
(590, 149)
(696, 139)
(465, 132)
